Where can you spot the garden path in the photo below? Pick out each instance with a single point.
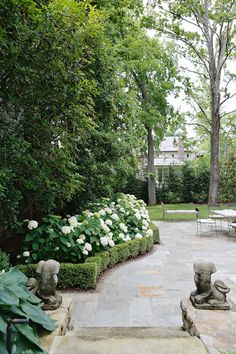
(146, 292)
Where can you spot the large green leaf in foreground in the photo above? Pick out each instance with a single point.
(16, 301)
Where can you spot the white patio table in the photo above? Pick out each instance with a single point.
(230, 216)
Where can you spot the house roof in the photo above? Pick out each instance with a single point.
(169, 143)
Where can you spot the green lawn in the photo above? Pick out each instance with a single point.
(155, 212)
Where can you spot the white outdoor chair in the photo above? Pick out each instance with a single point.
(204, 226)
(216, 217)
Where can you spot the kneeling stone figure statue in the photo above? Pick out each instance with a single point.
(45, 287)
(208, 296)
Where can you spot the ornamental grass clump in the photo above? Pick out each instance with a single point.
(74, 238)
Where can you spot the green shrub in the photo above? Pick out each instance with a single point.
(114, 257)
(84, 275)
(156, 235)
(4, 261)
(123, 251)
(105, 259)
(134, 247)
(71, 275)
(96, 260)
(143, 245)
(150, 243)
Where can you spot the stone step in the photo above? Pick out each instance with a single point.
(134, 332)
(127, 341)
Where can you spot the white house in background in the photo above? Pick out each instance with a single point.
(173, 153)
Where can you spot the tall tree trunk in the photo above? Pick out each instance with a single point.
(151, 169)
(215, 139)
(151, 176)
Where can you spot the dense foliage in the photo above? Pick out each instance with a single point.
(16, 301)
(66, 121)
(72, 239)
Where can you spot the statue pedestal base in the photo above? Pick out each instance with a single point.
(210, 306)
(216, 328)
(62, 317)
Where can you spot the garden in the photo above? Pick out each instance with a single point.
(88, 90)
(108, 233)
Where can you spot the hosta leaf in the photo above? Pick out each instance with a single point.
(28, 332)
(36, 314)
(3, 349)
(8, 297)
(13, 276)
(23, 344)
(3, 325)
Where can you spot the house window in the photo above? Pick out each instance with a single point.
(187, 155)
(173, 155)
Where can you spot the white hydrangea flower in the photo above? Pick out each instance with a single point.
(102, 212)
(66, 229)
(106, 228)
(88, 246)
(97, 243)
(19, 256)
(26, 254)
(123, 227)
(110, 235)
(149, 233)
(108, 222)
(111, 243)
(68, 244)
(121, 236)
(104, 241)
(82, 237)
(127, 238)
(33, 224)
(73, 221)
(2, 271)
(137, 236)
(56, 249)
(108, 210)
(138, 216)
(115, 217)
(80, 241)
(144, 227)
(145, 223)
(85, 252)
(97, 215)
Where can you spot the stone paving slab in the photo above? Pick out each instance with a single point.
(147, 291)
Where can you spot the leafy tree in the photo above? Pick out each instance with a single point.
(151, 68)
(46, 102)
(206, 30)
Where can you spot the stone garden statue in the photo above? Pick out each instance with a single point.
(207, 295)
(45, 287)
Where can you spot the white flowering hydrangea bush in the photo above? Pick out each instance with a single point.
(74, 238)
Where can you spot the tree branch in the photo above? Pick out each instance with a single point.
(194, 72)
(200, 126)
(226, 99)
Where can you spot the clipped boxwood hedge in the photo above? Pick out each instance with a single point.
(84, 275)
(155, 230)
(105, 259)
